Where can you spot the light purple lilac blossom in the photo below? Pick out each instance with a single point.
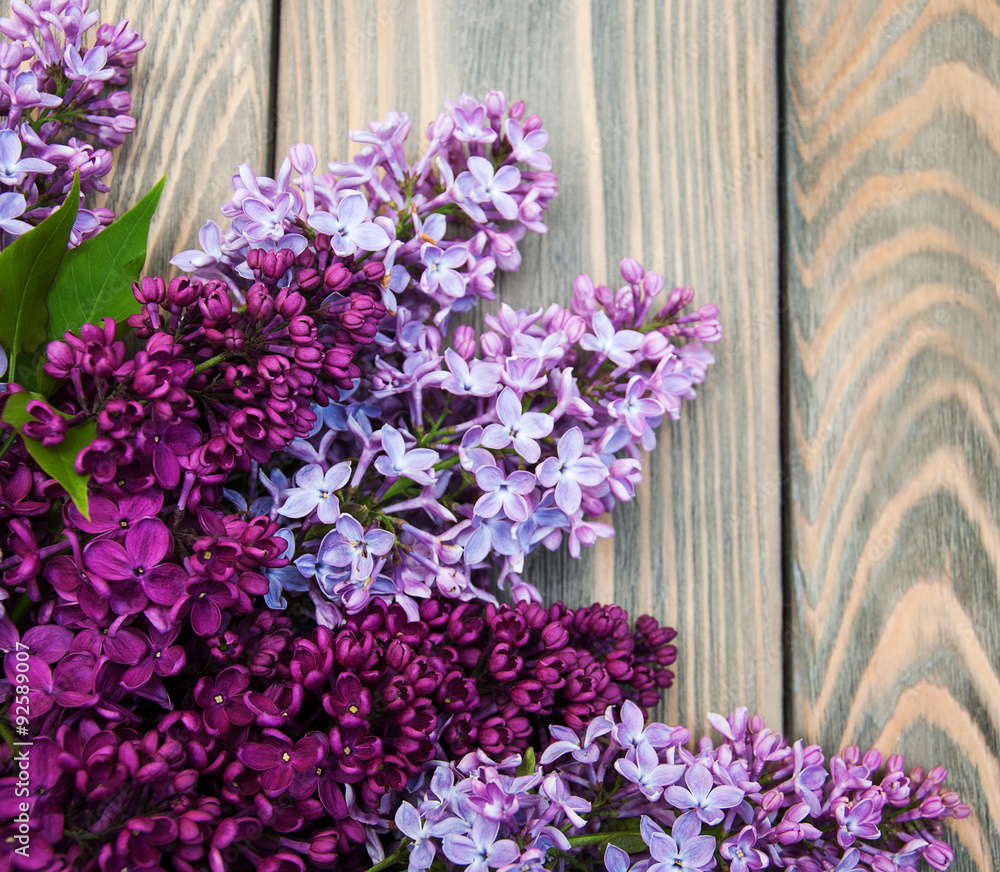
(739, 809)
(57, 114)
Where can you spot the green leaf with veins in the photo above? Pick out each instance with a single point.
(95, 279)
(59, 461)
(28, 267)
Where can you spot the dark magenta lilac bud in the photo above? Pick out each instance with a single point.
(337, 277)
(183, 291)
(308, 280)
(150, 290)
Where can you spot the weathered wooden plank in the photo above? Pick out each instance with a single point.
(201, 96)
(663, 126)
(894, 203)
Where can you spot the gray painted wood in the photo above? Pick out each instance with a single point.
(202, 99)
(665, 134)
(663, 124)
(894, 209)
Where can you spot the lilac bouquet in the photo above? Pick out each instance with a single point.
(262, 564)
(53, 98)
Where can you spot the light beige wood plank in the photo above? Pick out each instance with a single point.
(663, 132)
(201, 97)
(894, 246)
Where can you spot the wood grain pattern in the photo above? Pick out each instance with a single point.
(894, 212)
(202, 99)
(663, 132)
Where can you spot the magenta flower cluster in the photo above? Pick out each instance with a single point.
(55, 104)
(287, 748)
(215, 391)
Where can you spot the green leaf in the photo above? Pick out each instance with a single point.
(28, 267)
(318, 531)
(32, 377)
(95, 279)
(527, 766)
(58, 461)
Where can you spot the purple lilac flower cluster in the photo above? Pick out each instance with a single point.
(215, 391)
(452, 455)
(289, 747)
(54, 97)
(513, 439)
(750, 803)
(441, 227)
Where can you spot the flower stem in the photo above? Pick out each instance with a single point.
(208, 364)
(391, 859)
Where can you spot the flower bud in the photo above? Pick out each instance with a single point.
(872, 759)
(631, 270)
(274, 264)
(939, 855)
(215, 304)
(465, 341)
(185, 781)
(676, 301)
(653, 284)
(492, 344)
(183, 291)
(302, 330)
(325, 849)
(496, 103)
(619, 665)
(62, 359)
(936, 777)
(309, 356)
(308, 279)
(303, 158)
(532, 122)
(554, 637)
(504, 247)
(655, 346)
(788, 833)
(441, 128)
(150, 290)
(373, 271)
(260, 305)
(851, 755)
(605, 296)
(932, 806)
(289, 303)
(337, 277)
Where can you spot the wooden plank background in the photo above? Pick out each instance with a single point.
(829, 173)
(687, 186)
(893, 208)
